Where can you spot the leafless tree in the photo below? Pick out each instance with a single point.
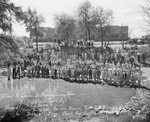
(84, 19)
(102, 20)
(146, 12)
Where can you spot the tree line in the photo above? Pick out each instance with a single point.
(86, 22)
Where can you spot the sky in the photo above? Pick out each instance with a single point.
(126, 12)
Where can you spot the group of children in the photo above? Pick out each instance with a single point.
(119, 75)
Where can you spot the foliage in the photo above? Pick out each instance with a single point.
(84, 23)
(9, 13)
(32, 21)
(65, 26)
(7, 42)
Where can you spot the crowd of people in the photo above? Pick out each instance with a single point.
(115, 70)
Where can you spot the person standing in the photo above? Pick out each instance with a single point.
(139, 77)
(38, 71)
(25, 64)
(138, 57)
(98, 74)
(90, 74)
(18, 70)
(94, 74)
(55, 72)
(14, 72)
(22, 74)
(8, 71)
(33, 71)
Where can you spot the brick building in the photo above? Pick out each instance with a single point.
(47, 36)
(114, 33)
(119, 33)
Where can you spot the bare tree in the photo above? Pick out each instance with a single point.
(102, 20)
(84, 19)
(146, 12)
(65, 26)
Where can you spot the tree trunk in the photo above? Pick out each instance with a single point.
(36, 43)
(86, 34)
(102, 39)
(36, 36)
(89, 34)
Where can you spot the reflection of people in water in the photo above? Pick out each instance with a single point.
(3, 85)
(22, 83)
(9, 84)
(14, 84)
(18, 83)
(8, 72)
(54, 86)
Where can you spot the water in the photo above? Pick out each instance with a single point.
(71, 94)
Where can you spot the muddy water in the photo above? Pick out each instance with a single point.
(58, 96)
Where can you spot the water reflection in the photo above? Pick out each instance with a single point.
(85, 94)
(39, 85)
(3, 85)
(14, 85)
(9, 84)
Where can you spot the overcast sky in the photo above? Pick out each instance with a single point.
(126, 12)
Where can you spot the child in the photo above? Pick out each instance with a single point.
(18, 71)
(9, 72)
(29, 68)
(14, 72)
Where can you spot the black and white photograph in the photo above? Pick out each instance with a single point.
(74, 60)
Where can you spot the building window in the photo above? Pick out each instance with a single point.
(117, 35)
(123, 35)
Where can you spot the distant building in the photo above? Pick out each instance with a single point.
(46, 37)
(118, 33)
(146, 37)
(114, 33)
